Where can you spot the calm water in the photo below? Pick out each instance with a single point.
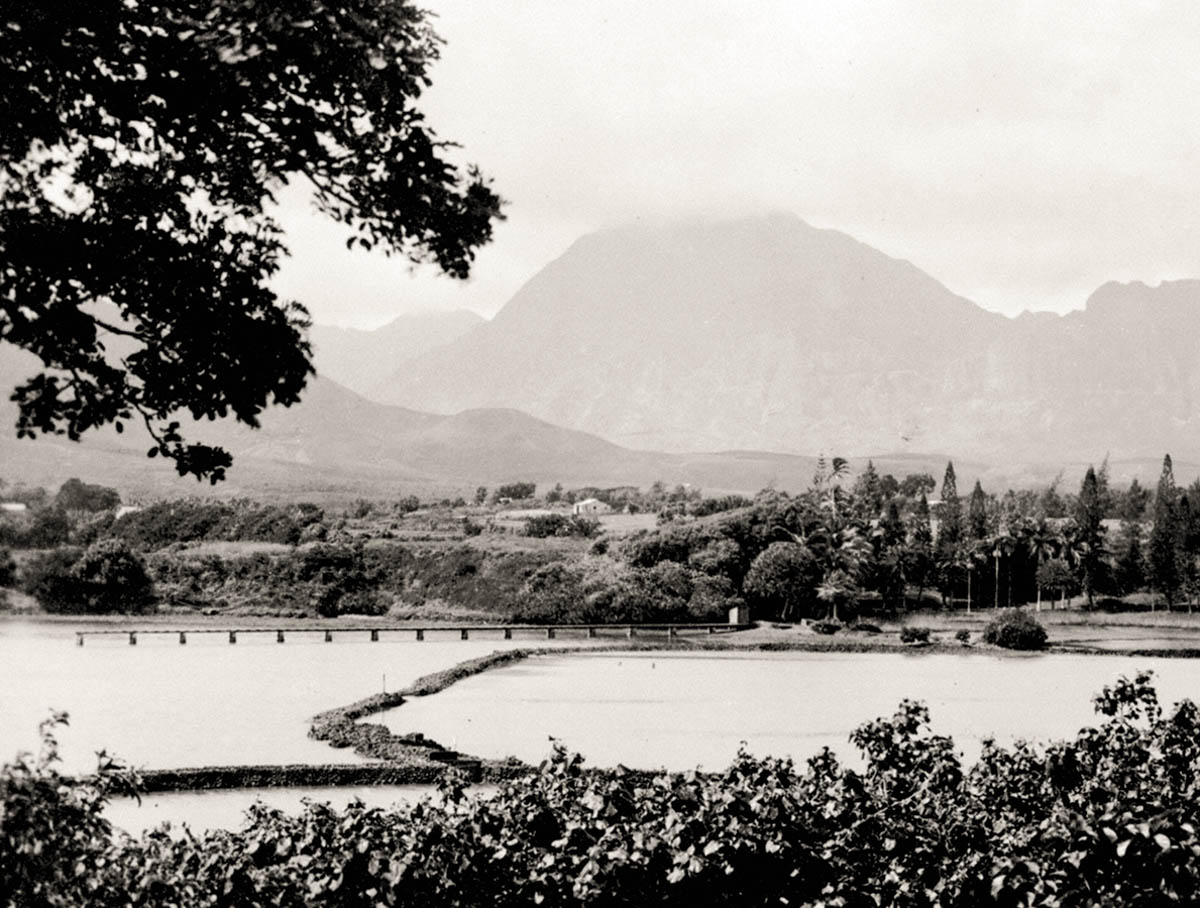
(162, 705)
(683, 711)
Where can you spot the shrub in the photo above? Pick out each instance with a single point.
(8, 568)
(112, 578)
(50, 580)
(963, 636)
(50, 527)
(826, 627)
(543, 525)
(359, 602)
(107, 577)
(914, 634)
(314, 532)
(865, 628)
(359, 508)
(516, 491)
(1015, 629)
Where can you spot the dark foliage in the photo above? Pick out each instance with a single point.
(1107, 818)
(1015, 629)
(76, 495)
(914, 634)
(49, 527)
(141, 148)
(8, 568)
(194, 520)
(106, 577)
(515, 491)
(542, 525)
(49, 579)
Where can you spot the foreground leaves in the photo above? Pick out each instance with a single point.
(1109, 818)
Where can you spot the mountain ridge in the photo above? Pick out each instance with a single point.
(355, 358)
(770, 334)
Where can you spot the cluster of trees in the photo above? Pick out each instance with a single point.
(1156, 545)
(1107, 818)
(195, 520)
(79, 512)
(601, 589)
(875, 542)
(107, 577)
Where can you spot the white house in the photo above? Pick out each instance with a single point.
(590, 507)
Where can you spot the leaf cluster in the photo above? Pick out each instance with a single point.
(142, 146)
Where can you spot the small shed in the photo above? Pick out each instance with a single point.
(590, 507)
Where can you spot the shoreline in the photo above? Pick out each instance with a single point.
(413, 758)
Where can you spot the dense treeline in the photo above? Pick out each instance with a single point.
(1108, 818)
(878, 544)
(843, 547)
(331, 579)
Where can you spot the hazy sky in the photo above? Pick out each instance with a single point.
(1021, 153)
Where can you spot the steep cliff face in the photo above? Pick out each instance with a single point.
(770, 334)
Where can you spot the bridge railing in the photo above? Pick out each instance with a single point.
(549, 631)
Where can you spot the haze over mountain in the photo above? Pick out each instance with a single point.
(335, 443)
(356, 358)
(769, 334)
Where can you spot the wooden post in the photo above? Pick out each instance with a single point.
(591, 632)
(233, 636)
(182, 638)
(374, 636)
(672, 632)
(420, 633)
(279, 636)
(133, 638)
(629, 631)
(508, 633)
(465, 635)
(549, 633)
(712, 629)
(79, 639)
(328, 636)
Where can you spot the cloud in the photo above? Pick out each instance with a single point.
(1021, 153)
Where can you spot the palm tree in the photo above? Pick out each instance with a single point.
(1002, 545)
(1073, 547)
(1042, 543)
(837, 587)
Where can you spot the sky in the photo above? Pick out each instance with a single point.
(1021, 153)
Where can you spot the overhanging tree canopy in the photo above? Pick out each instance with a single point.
(140, 144)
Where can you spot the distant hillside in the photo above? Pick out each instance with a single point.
(336, 443)
(357, 358)
(770, 334)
